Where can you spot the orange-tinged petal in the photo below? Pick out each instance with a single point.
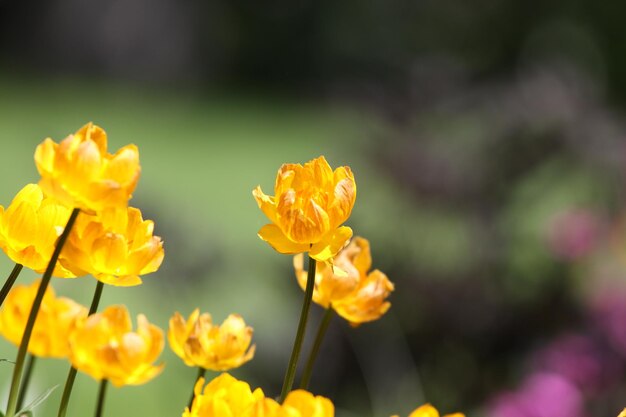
(55, 320)
(79, 172)
(105, 347)
(331, 244)
(310, 202)
(303, 403)
(277, 239)
(425, 410)
(265, 203)
(217, 347)
(123, 167)
(119, 280)
(109, 252)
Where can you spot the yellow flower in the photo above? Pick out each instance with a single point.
(80, 172)
(55, 320)
(224, 396)
(104, 346)
(428, 410)
(29, 229)
(356, 294)
(115, 246)
(367, 302)
(623, 413)
(300, 403)
(309, 206)
(199, 342)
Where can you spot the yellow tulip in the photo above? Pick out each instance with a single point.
(428, 410)
(104, 346)
(309, 206)
(355, 294)
(115, 246)
(224, 396)
(199, 342)
(29, 229)
(80, 172)
(55, 320)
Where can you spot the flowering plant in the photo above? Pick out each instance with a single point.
(77, 221)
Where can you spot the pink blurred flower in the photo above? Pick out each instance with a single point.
(543, 394)
(574, 233)
(580, 360)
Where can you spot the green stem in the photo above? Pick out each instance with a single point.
(71, 376)
(201, 372)
(9, 282)
(101, 394)
(45, 280)
(290, 375)
(321, 331)
(25, 381)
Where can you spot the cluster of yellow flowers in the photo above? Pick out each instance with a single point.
(110, 240)
(225, 396)
(76, 221)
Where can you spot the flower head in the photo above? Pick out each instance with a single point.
(29, 229)
(309, 206)
(224, 396)
(115, 246)
(428, 410)
(356, 294)
(301, 403)
(80, 172)
(104, 346)
(55, 320)
(199, 342)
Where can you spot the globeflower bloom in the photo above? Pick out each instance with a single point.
(30, 227)
(116, 246)
(55, 320)
(104, 346)
(309, 205)
(199, 342)
(301, 403)
(80, 172)
(428, 410)
(224, 396)
(356, 294)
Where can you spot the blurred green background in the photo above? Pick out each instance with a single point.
(488, 147)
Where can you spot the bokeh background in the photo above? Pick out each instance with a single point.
(489, 150)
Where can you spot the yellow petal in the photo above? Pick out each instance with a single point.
(277, 239)
(425, 410)
(331, 244)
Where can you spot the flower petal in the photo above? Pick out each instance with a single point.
(277, 239)
(331, 244)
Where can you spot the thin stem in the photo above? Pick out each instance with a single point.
(290, 375)
(101, 394)
(9, 282)
(71, 376)
(28, 331)
(201, 372)
(321, 331)
(26, 380)
(96, 297)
